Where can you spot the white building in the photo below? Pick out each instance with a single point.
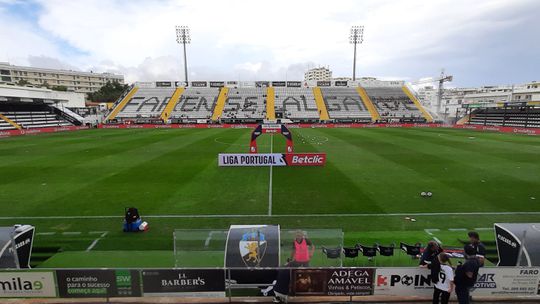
(318, 74)
(74, 81)
(453, 99)
(11, 93)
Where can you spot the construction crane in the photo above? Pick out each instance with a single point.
(441, 80)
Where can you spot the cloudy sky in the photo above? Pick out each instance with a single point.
(479, 42)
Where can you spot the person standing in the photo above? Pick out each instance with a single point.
(445, 283)
(474, 240)
(467, 274)
(429, 259)
(302, 250)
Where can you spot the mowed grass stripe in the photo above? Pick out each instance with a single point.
(460, 171)
(483, 144)
(504, 161)
(84, 192)
(381, 170)
(214, 190)
(491, 172)
(334, 191)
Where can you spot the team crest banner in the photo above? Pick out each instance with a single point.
(252, 246)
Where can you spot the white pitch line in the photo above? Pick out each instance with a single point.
(436, 239)
(94, 243)
(483, 229)
(457, 229)
(90, 217)
(45, 233)
(270, 181)
(71, 233)
(430, 231)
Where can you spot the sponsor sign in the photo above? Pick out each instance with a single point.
(271, 159)
(323, 83)
(508, 247)
(216, 84)
(163, 84)
(199, 84)
(506, 281)
(340, 83)
(23, 245)
(333, 282)
(294, 84)
(403, 282)
(278, 83)
(187, 282)
(83, 283)
(27, 285)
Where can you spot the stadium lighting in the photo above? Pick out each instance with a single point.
(183, 37)
(356, 37)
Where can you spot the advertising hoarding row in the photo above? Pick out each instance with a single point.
(516, 130)
(101, 283)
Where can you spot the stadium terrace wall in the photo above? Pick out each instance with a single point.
(516, 130)
(398, 282)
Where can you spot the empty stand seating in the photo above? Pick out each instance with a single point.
(30, 116)
(246, 104)
(393, 104)
(146, 103)
(345, 104)
(4, 125)
(297, 104)
(195, 103)
(510, 117)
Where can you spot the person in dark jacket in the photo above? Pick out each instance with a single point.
(429, 259)
(282, 284)
(467, 274)
(474, 240)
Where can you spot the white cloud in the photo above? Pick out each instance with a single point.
(249, 39)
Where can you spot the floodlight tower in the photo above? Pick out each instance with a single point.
(356, 37)
(183, 37)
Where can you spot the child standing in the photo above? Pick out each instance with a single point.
(445, 285)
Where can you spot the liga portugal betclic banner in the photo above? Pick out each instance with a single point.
(271, 159)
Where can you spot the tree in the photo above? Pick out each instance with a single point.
(110, 92)
(59, 88)
(22, 82)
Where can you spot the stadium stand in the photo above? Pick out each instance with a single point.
(195, 103)
(513, 117)
(321, 106)
(253, 104)
(220, 103)
(393, 104)
(146, 103)
(29, 116)
(345, 104)
(245, 105)
(296, 104)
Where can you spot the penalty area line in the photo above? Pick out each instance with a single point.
(95, 217)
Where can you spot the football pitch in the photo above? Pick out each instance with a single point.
(74, 186)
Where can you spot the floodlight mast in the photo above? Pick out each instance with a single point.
(183, 37)
(356, 37)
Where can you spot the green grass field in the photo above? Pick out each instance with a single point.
(74, 186)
